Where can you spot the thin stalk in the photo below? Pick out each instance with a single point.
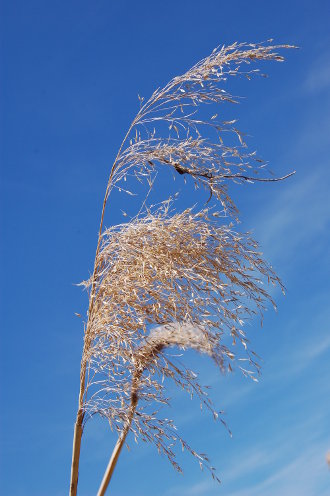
(121, 440)
(76, 453)
(116, 452)
(78, 429)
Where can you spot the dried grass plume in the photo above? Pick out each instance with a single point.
(173, 279)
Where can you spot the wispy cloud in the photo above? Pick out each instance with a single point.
(301, 355)
(312, 349)
(298, 218)
(304, 475)
(293, 466)
(319, 77)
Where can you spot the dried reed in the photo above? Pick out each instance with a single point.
(198, 281)
(195, 280)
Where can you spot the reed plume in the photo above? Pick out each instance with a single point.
(172, 279)
(195, 279)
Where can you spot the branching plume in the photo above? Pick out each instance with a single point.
(173, 279)
(168, 280)
(170, 130)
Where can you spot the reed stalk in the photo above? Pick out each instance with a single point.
(116, 451)
(78, 426)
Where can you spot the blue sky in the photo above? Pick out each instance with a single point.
(71, 72)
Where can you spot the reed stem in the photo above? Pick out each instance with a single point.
(115, 454)
(75, 456)
(80, 414)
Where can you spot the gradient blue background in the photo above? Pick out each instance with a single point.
(70, 76)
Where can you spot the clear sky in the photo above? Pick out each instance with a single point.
(71, 72)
